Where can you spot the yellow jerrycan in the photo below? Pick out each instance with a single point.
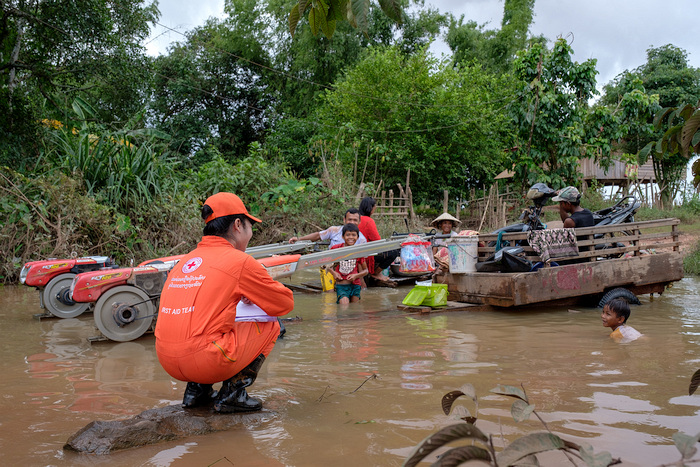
(327, 281)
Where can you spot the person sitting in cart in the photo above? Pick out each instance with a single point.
(335, 232)
(572, 214)
(615, 315)
(349, 272)
(198, 337)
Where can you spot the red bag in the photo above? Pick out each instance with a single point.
(416, 256)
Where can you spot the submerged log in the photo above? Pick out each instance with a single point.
(154, 426)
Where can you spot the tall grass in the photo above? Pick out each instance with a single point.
(123, 168)
(691, 263)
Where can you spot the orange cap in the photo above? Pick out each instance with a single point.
(226, 204)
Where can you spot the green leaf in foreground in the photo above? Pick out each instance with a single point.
(449, 399)
(510, 391)
(686, 444)
(521, 410)
(442, 437)
(694, 381)
(458, 456)
(601, 459)
(528, 445)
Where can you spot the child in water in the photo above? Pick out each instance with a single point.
(615, 314)
(347, 273)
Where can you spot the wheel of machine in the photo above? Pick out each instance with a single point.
(124, 313)
(619, 292)
(56, 300)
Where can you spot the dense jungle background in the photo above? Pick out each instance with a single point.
(294, 106)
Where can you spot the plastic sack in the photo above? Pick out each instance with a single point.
(416, 256)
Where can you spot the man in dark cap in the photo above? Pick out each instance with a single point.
(570, 210)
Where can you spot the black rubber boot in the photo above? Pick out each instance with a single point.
(233, 397)
(197, 395)
(283, 330)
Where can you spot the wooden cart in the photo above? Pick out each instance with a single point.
(642, 257)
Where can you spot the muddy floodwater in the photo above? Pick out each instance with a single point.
(324, 406)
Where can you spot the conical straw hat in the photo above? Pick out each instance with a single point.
(445, 217)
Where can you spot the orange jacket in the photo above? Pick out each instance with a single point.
(199, 297)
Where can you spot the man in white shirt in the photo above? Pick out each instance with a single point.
(335, 232)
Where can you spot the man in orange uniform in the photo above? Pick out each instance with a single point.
(198, 339)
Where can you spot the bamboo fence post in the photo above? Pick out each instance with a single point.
(445, 197)
(391, 202)
(354, 169)
(483, 215)
(360, 193)
(410, 204)
(364, 171)
(503, 212)
(490, 211)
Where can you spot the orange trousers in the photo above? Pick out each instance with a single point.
(211, 359)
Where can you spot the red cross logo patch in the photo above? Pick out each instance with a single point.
(191, 265)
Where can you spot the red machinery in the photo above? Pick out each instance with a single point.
(125, 299)
(53, 278)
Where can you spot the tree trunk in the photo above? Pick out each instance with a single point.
(14, 56)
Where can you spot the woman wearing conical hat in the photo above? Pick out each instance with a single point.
(444, 223)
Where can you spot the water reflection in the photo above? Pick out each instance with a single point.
(327, 407)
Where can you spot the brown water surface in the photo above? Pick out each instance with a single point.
(324, 407)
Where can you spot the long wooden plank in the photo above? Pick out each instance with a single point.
(591, 230)
(451, 306)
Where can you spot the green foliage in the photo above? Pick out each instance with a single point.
(51, 215)
(53, 51)
(270, 191)
(415, 113)
(282, 194)
(492, 49)
(550, 115)
(209, 91)
(324, 14)
(20, 131)
(681, 137)
(289, 142)
(667, 74)
(666, 77)
(321, 61)
(251, 176)
(622, 120)
(123, 168)
(691, 262)
(594, 198)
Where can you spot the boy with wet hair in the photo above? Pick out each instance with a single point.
(348, 273)
(615, 315)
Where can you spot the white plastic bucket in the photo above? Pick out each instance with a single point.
(463, 253)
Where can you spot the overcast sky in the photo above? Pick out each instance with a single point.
(615, 32)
